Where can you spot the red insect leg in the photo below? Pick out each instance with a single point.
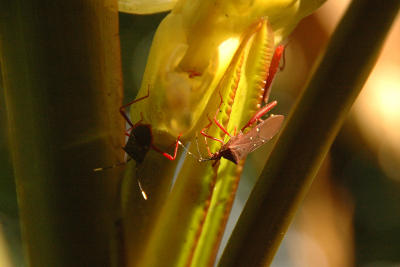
(216, 122)
(165, 154)
(259, 114)
(127, 132)
(122, 109)
(273, 68)
(209, 136)
(215, 117)
(282, 67)
(221, 127)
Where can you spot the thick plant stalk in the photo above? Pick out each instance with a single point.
(311, 129)
(62, 78)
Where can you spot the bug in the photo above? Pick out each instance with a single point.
(140, 141)
(241, 144)
(140, 138)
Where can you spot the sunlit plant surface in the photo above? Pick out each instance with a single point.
(63, 88)
(203, 51)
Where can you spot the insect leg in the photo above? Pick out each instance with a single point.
(111, 166)
(144, 195)
(260, 113)
(221, 127)
(165, 154)
(215, 117)
(122, 109)
(127, 132)
(273, 68)
(282, 67)
(207, 135)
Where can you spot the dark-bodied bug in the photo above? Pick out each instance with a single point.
(140, 141)
(140, 138)
(240, 145)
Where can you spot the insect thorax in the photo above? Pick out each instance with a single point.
(139, 142)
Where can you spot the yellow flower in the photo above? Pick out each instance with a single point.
(203, 52)
(191, 52)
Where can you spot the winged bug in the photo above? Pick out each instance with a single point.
(140, 141)
(241, 144)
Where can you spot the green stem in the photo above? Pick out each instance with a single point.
(62, 78)
(310, 131)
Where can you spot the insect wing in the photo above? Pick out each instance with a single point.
(257, 136)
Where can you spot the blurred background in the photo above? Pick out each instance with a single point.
(351, 216)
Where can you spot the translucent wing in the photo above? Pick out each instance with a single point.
(257, 136)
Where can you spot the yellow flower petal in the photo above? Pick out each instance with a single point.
(186, 64)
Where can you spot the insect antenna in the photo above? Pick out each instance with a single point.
(199, 157)
(141, 190)
(120, 164)
(205, 159)
(112, 166)
(187, 150)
